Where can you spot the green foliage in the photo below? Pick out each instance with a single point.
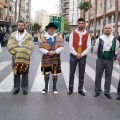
(84, 6)
(66, 26)
(36, 27)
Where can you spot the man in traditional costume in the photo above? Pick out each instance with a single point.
(51, 46)
(106, 47)
(80, 45)
(20, 45)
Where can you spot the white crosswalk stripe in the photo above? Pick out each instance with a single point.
(38, 84)
(4, 64)
(65, 71)
(91, 73)
(7, 84)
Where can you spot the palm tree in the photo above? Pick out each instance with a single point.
(83, 6)
(89, 15)
(36, 27)
(116, 16)
(104, 13)
(95, 18)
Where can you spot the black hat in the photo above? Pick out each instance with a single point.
(51, 25)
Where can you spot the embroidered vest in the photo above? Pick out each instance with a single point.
(76, 40)
(106, 55)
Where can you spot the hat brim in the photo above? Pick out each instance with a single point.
(49, 26)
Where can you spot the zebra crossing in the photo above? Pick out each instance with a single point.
(7, 83)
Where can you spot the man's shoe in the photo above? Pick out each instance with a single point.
(81, 92)
(96, 94)
(70, 92)
(55, 91)
(44, 90)
(118, 98)
(15, 92)
(25, 92)
(108, 96)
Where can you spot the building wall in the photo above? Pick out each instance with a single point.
(110, 15)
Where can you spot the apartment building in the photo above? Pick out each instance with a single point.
(110, 15)
(69, 10)
(3, 14)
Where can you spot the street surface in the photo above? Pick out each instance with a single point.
(36, 106)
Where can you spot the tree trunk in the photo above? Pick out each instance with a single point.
(89, 12)
(20, 1)
(83, 11)
(104, 16)
(116, 16)
(95, 18)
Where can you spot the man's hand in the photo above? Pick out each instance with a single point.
(78, 55)
(51, 53)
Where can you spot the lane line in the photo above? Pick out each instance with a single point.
(4, 64)
(91, 74)
(65, 71)
(38, 84)
(7, 84)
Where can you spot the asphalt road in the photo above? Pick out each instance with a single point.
(36, 106)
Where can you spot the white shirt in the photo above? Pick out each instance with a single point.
(72, 50)
(107, 43)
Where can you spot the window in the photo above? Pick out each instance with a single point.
(1, 13)
(110, 19)
(110, 1)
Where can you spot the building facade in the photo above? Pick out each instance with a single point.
(69, 10)
(110, 15)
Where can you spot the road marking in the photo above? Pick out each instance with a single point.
(7, 84)
(4, 64)
(91, 74)
(38, 84)
(65, 72)
(115, 75)
(117, 66)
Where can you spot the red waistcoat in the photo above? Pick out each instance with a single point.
(76, 40)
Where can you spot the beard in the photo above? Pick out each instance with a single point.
(21, 30)
(81, 28)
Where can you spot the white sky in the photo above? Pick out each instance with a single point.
(49, 5)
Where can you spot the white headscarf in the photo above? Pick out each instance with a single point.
(20, 37)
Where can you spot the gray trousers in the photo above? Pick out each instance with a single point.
(102, 65)
(81, 66)
(18, 82)
(118, 89)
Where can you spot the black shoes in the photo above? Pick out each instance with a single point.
(44, 90)
(118, 98)
(82, 93)
(15, 92)
(25, 92)
(108, 96)
(96, 94)
(70, 92)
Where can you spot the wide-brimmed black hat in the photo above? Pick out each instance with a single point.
(51, 25)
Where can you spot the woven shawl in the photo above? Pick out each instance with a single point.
(21, 54)
(54, 62)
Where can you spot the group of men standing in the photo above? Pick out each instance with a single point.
(20, 45)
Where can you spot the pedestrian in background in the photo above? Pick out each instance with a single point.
(80, 45)
(6, 38)
(106, 47)
(51, 45)
(21, 46)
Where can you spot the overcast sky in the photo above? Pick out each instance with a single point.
(49, 5)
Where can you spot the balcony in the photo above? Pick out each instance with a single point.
(4, 3)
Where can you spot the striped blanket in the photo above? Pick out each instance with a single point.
(22, 54)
